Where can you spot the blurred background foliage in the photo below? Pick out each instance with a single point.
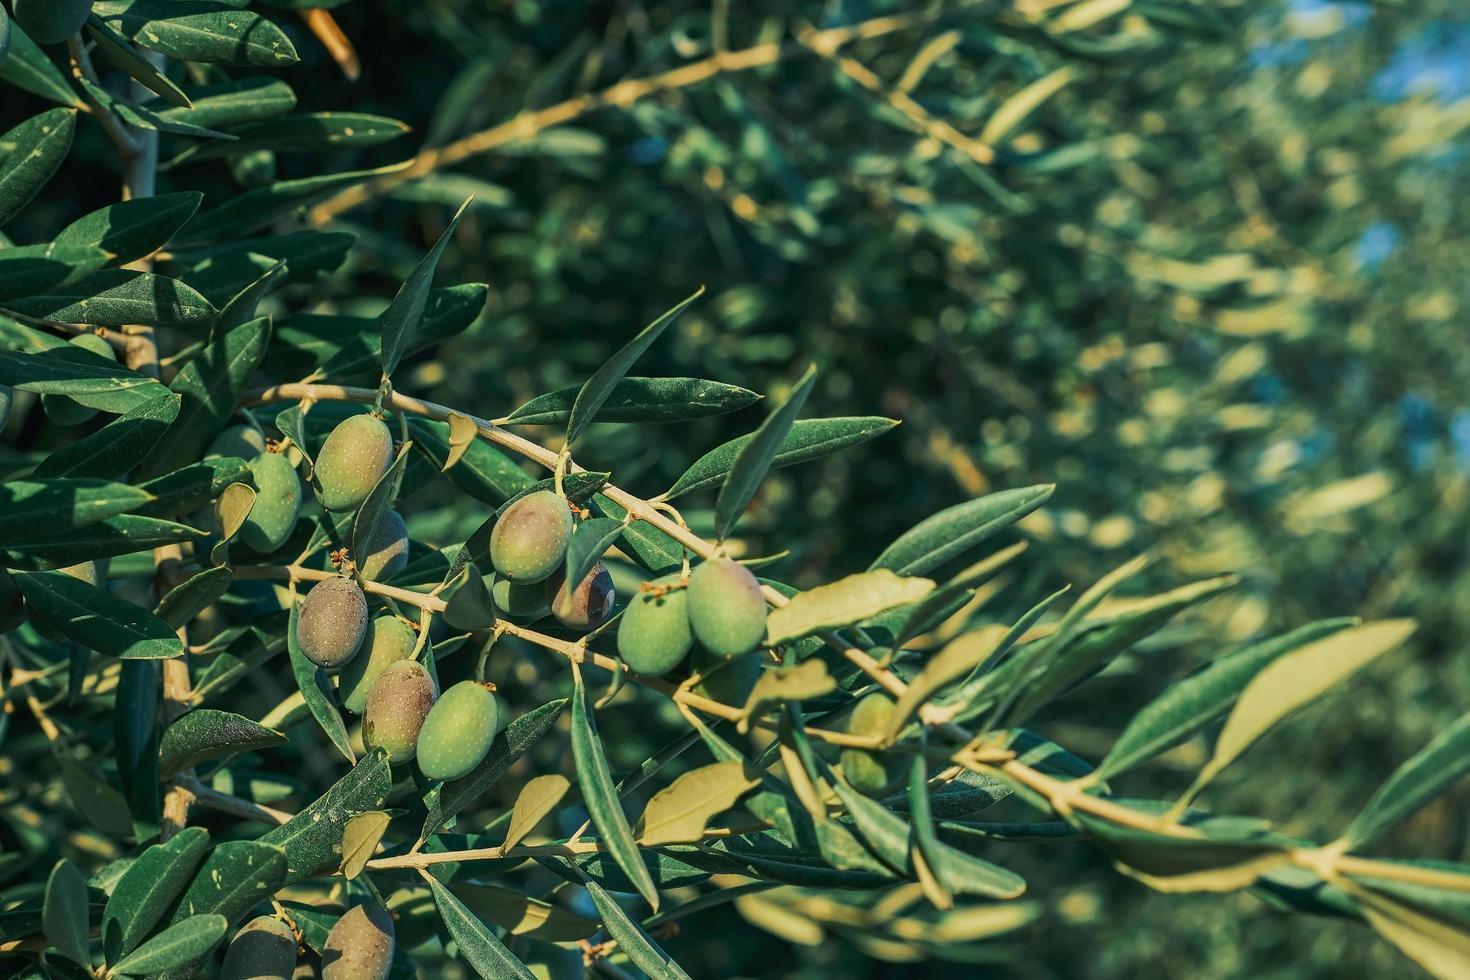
(1212, 284)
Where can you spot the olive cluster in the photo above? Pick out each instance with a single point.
(528, 548)
(360, 946)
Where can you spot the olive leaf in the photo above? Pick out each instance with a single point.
(34, 149)
(842, 603)
(97, 619)
(678, 813)
(401, 319)
(754, 459)
(535, 800)
(360, 839)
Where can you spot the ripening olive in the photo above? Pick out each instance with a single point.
(530, 539)
(458, 731)
(263, 949)
(518, 602)
(387, 552)
(396, 708)
(63, 409)
(589, 606)
(12, 603)
(870, 772)
(277, 503)
(389, 640)
(726, 608)
(240, 441)
(360, 945)
(51, 21)
(355, 456)
(332, 622)
(654, 633)
(728, 680)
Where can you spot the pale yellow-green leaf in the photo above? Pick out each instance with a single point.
(522, 915)
(1440, 948)
(779, 920)
(462, 433)
(1226, 878)
(1087, 14)
(967, 924)
(537, 798)
(360, 839)
(1340, 497)
(956, 660)
(842, 603)
(233, 507)
(677, 814)
(1296, 679)
(1020, 106)
(807, 680)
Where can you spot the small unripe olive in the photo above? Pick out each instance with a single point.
(654, 634)
(355, 456)
(726, 608)
(12, 603)
(728, 680)
(457, 732)
(586, 607)
(518, 602)
(396, 708)
(332, 622)
(530, 539)
(240, 441)
(63, 409)
(51, 21)
(263, 949)
(387, 552)
(870, 772)
(277, 503)
(389, 640)
(360, 945)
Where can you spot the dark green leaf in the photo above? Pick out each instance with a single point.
(632, 940)
(1415, 783)
(599, 388)
(379, 502)
(950, 533)
(210, 387)
(808, 439)
(312, 837)
(121, 535)
(306, 131)
(315, 690)
(28, 506)
(641, 400)
(207, 733)
(484, 472)
(192, 596)
(479, 946)
(142, 897)
(448, 311)
(115, 49)
(652, 548)
(589, 543)
(222, 272)
(133, 229)
(180, 943)
(27, 67)
(85, 377)
(65, 913)
(111, 297)
(116, 447)
(97, 619)
(400, 321)
(754, 459)
(199, 30)
(36, 268)
(236, 876)
(140, 118)
(30, 154)
(239, 100)
(245, 213)
(135, 734)
(192, 487)
(601, 795)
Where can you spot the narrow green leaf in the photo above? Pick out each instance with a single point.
(97, 619)
(400, 321)
(599, 388)
(134, 229)
(632, 940)
(936, 874)
(808, 439)
(112, 297)
(640, 400)
(144, 893)
(589, 543)
(70, 370)
(242, 307)
(378, 503)
(30, 269)
(943, 602)
(120, 535)
(135, 735)
(210, 387)
(755, 458)
(141, 118)
(1415, 783)
(27, 67)
(449, 311)
(208, 733)
(26, 506)
(180, 943)
(194, 595)
(650, 547)
(30, 154)
(113, 48)
(844, 602)
(601, 795)
(301, 132)
(480, 947)
(235, 877)
(245, 213)
(312, 837)
(116, 447)
(1187, 706)
(315, 690)
(239, 100)
(64, 914)
(199, 30)
(952, 532)
(449, 800)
